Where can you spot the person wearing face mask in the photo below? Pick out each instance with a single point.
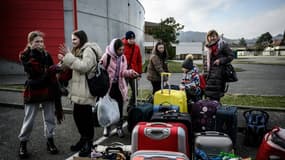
(157, 64)
(118, 71)
(40, 89)
(81, 59)
(218, 54)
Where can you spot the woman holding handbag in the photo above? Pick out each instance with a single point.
(218, 54)
(117, 69)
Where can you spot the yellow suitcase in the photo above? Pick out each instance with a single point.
(174, 97)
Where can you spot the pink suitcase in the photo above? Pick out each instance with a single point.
(160, 136)
(159, 155)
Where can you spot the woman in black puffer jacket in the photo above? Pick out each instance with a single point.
(218, 54)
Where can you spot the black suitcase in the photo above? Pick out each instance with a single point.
(171, 116)
(226, 121)
(140, 112)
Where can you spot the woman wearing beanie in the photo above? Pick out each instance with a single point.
(190, 80)
(218, 54)
(157, 65)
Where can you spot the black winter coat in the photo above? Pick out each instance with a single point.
(215, 87)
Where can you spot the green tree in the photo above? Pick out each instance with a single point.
(242, 42)
(167, 31)
(263, 41)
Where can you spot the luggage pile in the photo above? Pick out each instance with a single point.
(170, 128)
(177, 130)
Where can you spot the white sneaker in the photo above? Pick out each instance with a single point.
(106, 131)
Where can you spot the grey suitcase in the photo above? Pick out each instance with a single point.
(212, 142)
(158, 154)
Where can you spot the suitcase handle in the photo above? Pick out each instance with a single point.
(162, 74)
(157, 133)
(165, 104)
(158, 123)
(212, 133)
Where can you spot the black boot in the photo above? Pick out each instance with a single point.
(51, 147)
(23, 152)
(76, 147)
(86, 149)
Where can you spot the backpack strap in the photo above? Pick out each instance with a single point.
(108, 61)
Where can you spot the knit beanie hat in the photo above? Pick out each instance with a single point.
(130, 34)
(188, 62)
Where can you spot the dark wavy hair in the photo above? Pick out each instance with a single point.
(82, 37)
(118, 44)
(164, 56)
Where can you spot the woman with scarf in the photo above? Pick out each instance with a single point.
(218, 54)
(40, 89)
(117, 69)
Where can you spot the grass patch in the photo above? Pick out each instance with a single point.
(253, 100)
(240, 100)
(14, 87)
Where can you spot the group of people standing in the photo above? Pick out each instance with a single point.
(124, 66)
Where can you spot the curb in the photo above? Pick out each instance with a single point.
(21, 106)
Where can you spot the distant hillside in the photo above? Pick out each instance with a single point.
(191, 36)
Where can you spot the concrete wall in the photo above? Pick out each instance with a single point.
(104, 20)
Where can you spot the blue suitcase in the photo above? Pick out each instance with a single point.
(226, 121)
(163, 107)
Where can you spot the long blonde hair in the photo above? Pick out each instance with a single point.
(31, 36)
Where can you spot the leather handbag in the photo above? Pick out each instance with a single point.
(229, 73)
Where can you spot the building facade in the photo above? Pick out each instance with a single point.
(102, 20)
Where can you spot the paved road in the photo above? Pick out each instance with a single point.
(256, 79)
(66, 135)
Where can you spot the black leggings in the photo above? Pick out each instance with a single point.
(116, 94)
(156, 85)
(82, 115)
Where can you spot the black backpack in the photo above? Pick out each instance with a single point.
(99, 83)
(256, 126)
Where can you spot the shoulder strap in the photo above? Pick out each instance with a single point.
(108, 60)
(132, 54)
(97, 57)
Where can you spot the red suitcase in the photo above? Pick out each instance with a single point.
(158, 155)
(160, 136)
(267, 148)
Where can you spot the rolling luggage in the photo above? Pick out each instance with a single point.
(268, 148)
(158, 154)
(226, 121)
(171, 116)
(160, 136)
(174, 97)
(141, 112)
(204, 115)
(212, 143)
(165, 107)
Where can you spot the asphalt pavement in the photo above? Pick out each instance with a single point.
(256, 79)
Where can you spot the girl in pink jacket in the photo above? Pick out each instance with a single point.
(117, 69)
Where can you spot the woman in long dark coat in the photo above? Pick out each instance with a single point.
(218, 54)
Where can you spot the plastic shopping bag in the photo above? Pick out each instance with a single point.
(108, 111)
